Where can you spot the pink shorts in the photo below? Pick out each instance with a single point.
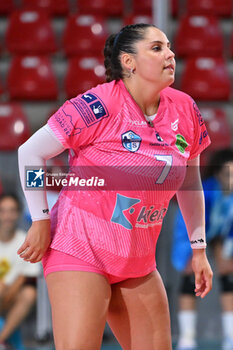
(55, 260)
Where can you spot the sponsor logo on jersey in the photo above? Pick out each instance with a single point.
(202, 136)
(89, 98)
(131, 141)
(138, 122)
(91, 108)
(35, 178)
(159, 138)
(198, 114)
(98, 109)
(145, 217)
(181, 143)
(174, 125)
(65, 119)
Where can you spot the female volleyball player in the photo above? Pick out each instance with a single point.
(100, 264)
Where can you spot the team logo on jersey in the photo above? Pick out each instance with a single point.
(159, 138)
(174, 125)
(131, 141)
(142, 216)
(35, 178)
(181, 143)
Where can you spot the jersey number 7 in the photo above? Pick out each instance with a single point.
(167, 167)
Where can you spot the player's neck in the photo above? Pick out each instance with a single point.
(146, 97)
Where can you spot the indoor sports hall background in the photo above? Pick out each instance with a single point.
(51, 50)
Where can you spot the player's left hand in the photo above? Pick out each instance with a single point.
(203, 273)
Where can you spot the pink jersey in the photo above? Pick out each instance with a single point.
(116, 229)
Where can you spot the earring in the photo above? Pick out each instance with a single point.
(130, 72)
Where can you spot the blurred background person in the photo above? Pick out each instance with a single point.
(31, 87)
(17, 277)
(219, 231)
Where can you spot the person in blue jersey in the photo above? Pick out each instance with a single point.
(218, 192)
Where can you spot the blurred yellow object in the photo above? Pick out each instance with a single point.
(4, 267)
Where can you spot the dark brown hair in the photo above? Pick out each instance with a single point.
(217, 161)
(124, 41)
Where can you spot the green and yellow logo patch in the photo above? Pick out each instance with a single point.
(181, 143)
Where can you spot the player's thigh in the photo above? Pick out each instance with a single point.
(79, 302)
(139, 314)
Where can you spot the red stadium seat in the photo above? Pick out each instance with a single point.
(199, 35)
(133, 19)
(218, 127)
(30, 32)
(142, 7)
(219, 130)
(52, 7)
(206, 78)
(101, 7)
(210, 7)
(231, 45)
(32, 78)
(84, 35)
(83, 74)
(6, 7)
(14, 126)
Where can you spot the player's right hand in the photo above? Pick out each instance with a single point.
(36, 242)
(203, 273)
